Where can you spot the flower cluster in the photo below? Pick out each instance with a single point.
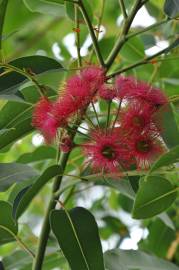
(133, 139)
(132, 134)
(78, 92)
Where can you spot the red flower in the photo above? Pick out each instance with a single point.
(44, 120)
(62, 109)
(138, 118)
(106, 92)
(124, 86)
(145, 92)
(146, 148)
(131, 89)
(106, 152)
(93, 76)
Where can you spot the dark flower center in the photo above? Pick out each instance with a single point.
(138, 121)
(108, 152)
(143, 146)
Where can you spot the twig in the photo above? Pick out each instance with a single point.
(122, 38)
(77, 25)
(123, 8)
(142, 62)
(91, 31)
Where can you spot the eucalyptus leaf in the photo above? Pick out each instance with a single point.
(22, 202)
(78, 237)
(153, 197)
(8, 227)
(134, 259)
(11, 173)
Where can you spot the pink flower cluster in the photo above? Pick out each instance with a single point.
(79, 90)
(131, 138)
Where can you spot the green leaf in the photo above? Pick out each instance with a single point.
(133, 50)
(164, 217)
(20, 129)
(8, 227)
(37, 64)
(54, 1)
(45, 7)
(41, 153)
(153, 197)
(158, 240)
(77, 234)
(11, 173)
(117, 259)
(171, 8)
(22, 202)
(168, 122)
(23, 261)
(3, 6)
(121, 184)
(70, 10)
(167, 159)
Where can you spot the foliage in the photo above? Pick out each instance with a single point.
(84, 215)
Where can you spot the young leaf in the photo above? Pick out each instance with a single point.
(153, 197)
(117, 259)
(11, 173)
(78, 237)
(22, 202)
(8, 227)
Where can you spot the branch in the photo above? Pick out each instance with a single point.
(45, 231)
(123, 9)
(77, 36)
(122, 38)
(144, 61)
(91, 31)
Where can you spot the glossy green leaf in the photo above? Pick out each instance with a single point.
(171, 8)
(121, 184)
(117, 259)
(41, 153)
(20, 129)
(11, 173)
(22, 202)
(54, 1)
(37, 64)
(133, 50)
(3, 6)
(168, 122)
(8, 227)
(167, 159)
(153, 197)
(45, 7)
(77, 234)
(24, 261)
(155, 244)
